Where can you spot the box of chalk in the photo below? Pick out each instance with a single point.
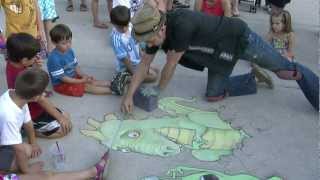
(145, 101)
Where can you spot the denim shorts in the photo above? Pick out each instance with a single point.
(7, 155)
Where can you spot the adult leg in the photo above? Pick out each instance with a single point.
(261, 53)
(235, 7)
(219, 86)
(83, 6)
(110, 5)
(47, 27)
(95, 14)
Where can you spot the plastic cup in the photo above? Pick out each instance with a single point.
(58, 157)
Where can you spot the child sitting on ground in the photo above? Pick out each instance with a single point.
(14, 114)
(65, 73)
(281, 35)
(49, 121)
(125, 47)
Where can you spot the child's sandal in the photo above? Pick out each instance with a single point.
(100, 169)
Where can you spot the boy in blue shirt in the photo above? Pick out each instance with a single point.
(65, 73)
(125, 47)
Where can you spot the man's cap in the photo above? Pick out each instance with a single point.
(147, 22)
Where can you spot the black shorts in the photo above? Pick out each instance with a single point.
(7, 155)
(46, 124)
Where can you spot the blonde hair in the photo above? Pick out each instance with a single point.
(285, 19)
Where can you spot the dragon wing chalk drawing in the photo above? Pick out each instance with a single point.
(203, 132)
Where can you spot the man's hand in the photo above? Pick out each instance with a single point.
(35, 151)
(127, 104)
(65, 124)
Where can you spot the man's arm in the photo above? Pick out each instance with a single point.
(128, 65)
(28, 127)
(167, 72)
(140, 74)
(138, 77)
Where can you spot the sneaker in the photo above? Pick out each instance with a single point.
(119, 82)
(262, 76)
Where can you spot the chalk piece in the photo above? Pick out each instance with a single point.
(147, 103)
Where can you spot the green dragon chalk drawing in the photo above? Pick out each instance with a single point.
(203, 132)
(189, 173)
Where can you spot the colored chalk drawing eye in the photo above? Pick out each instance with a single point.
(134, 134)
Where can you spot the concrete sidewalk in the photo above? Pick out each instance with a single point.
(282, 123)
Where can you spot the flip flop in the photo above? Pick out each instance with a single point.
(83, 7)
(100, 169)
(69, 8)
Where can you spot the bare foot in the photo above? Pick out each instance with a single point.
(36, 167)
(100, 25)
(100, 166)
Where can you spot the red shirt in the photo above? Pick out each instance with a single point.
(216, 9)
(12, 72)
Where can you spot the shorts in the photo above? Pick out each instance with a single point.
(9, 177)
(46, 124)
(69, 89)
(7, 155)
(48, 10)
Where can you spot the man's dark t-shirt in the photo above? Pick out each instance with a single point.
(209, 41)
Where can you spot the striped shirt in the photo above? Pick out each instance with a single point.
(124, 47)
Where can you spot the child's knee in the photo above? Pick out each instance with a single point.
(27, 149)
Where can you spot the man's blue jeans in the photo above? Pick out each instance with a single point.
(261, 53)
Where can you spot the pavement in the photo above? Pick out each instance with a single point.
(282, 124)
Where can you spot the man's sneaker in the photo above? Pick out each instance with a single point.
(262, 76)
(119, 82)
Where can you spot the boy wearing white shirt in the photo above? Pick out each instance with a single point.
(14, 114)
